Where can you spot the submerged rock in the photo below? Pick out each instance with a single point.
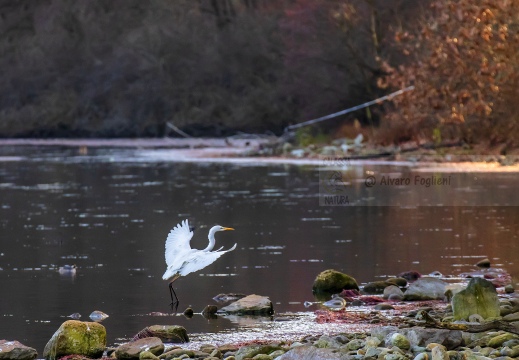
(485, 263)
(410, 276)
(77, 337)
(332, 281)
(132, 350)
(398, 281)
(375, 287)
(250, 305)
(480, 297)
(14, 350)
(426, 288)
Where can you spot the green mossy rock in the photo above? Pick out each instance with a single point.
(77, 337)
(480, 297)
(332, 281)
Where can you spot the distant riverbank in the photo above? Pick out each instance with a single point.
(266, 150)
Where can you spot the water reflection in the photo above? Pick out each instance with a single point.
(108, 212)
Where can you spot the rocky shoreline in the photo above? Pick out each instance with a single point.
(405, 317)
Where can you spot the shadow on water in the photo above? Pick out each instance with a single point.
(109, 213)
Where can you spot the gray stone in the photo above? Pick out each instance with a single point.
(512, 317)
(168, 333)
(439, 353)
(249, 305)
(332, 281)
(426, 288)
(133, 349)
(356, 344)
(75, 337)
(419, 336)
(312, 353)
(393, 290)
(480, 297)
(253, 350)
(326, 341)
(14, 350)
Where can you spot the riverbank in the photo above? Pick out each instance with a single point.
(270, 150)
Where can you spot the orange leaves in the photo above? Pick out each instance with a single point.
(468, 57)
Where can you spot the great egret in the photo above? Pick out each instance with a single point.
(182, 260)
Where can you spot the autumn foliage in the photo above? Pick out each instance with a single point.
(464, 63)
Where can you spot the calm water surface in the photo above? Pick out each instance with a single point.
(109, 212)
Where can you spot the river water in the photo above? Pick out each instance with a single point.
(108, 211)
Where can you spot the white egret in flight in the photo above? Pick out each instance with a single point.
(182, 260)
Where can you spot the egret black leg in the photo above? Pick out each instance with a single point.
(174, 298)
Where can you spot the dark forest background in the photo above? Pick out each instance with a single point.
(124, 68)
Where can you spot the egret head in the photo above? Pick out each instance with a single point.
(221, 228)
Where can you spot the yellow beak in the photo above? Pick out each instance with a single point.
(225, 229)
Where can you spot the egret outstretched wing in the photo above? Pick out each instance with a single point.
(197, 260)
(177, 241)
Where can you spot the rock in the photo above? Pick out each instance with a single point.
(439, 353)
(394, 291)
(382, 332)
(498, 340)
(509, 289)
(188, 312)
(177, 353)
(326, 341)
(306, 352)
(76, 337)
(383, 306)
(375, 287)
(426, 288)
(262, 357)
(512, 317)
(332, 281)
(133, 349)
(14, 350)
(210, 310)
(250, 305)
(98, 316)
(419, 336)
(397, 281)
(480, 297)
(400, 341)
(147, 355)
(422, 356)
(246, 352)
(356, 344)
(410, 276)
(169, 333)
(485, 263)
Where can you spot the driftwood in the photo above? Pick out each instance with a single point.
(428, 321)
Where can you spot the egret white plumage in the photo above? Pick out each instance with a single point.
(182, 260)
